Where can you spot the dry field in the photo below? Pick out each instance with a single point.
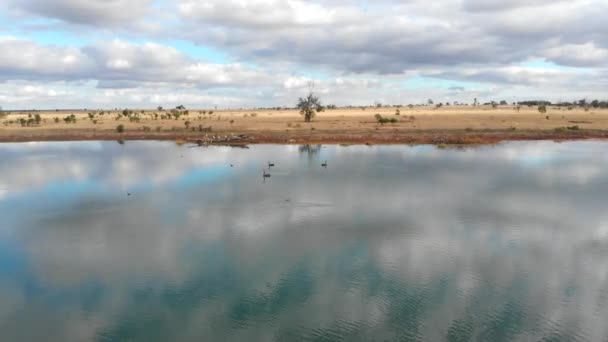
(455, 124)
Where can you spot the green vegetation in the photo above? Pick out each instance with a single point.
(120, 128)
(567, 128)
(382, 120)
(309, 105)
(70, 119)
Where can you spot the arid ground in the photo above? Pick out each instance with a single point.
(421, 124)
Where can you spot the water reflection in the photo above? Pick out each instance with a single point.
(388, 243)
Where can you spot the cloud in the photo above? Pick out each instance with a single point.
(587, 54)
(25, 59)
(386, 38)
(275, 45)
(117, 63)
(90, 12)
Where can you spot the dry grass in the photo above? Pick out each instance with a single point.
(358, 121)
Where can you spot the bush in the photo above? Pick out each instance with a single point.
(542, 108)
(382, 120)
(70, 119)
(120, 128)
(309, 105)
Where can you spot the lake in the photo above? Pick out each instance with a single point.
(151, 241)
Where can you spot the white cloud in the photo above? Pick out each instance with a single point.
(90, 12)
(587, 54)
(277, 46)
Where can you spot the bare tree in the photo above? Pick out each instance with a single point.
(310, 104)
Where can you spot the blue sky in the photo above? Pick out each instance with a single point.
(258, 53)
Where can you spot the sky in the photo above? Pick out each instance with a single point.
(264, 53)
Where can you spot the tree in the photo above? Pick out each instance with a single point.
(309, 105)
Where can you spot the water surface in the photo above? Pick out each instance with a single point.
(149, 241)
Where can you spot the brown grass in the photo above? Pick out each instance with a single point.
(462, 124)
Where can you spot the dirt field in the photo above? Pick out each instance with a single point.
(447, 125)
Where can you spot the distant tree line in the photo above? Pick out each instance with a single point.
(580, 103)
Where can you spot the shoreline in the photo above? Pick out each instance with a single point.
(362, 137)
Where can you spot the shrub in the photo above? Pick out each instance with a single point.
(56, 119)
(120, 128)
(147, 129)
(382, 120)
(70, 119)
(397, 112)
(542, 109)
(309, 105)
